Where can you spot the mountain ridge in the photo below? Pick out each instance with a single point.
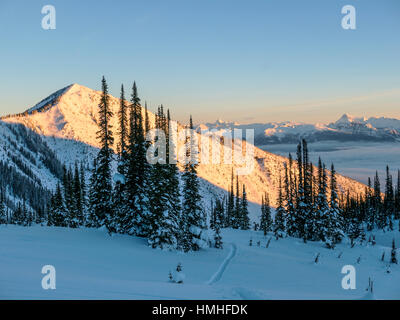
(346, 128)
(69, 127)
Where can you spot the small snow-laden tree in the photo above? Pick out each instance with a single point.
(177, 276)
(266, 219)
(355, 230)
(280, 215)
(59, 215)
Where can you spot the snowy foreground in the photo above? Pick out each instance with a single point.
(92, 265)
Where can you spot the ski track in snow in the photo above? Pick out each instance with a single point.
(218, 275)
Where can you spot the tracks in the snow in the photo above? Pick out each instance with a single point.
(218, 275)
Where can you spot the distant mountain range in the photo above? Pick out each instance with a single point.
(347, 128)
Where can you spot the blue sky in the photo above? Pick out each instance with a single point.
(245, 61)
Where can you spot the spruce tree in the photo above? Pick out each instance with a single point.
(304, 197)
(173, 192)
(18, 215)
(3, 212)
(236, 217)
(266, 219)
(59, 214)
(381, 220)
(397, 198)
(165, 226)
(290, 198)
(76, 213)
(280, 214)
(369, 204)
(193, 216)
(388, 202)
(83, 193)
(101, 194)
(323, 215)
(335, 224)
(137, 175)
(218, 212)
(123, 130)
(120, 200)
(244, 211)
(230, 207)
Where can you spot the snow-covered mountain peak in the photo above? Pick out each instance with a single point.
(347, 118)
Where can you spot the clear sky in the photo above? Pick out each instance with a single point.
(245, 61)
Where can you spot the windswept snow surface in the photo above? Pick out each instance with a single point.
(92, 265)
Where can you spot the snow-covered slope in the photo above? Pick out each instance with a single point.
(347, 128)
(67, 120)
(29, 167)
(90, 264)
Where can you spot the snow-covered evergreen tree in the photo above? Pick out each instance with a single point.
(266, 219)
(323, 215)
(388, 202)
(58, 212)
(101, 188)
(236, 216)
(230, 206)
(335, 225)
(3, 211)
(369, 207)
(244, 211)
(217, 214)
(137, 172)
(163, 224)
(193, 215)
(120, 201)
(280, 214)
(290, 198)
(397, 198)
(171, 175)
